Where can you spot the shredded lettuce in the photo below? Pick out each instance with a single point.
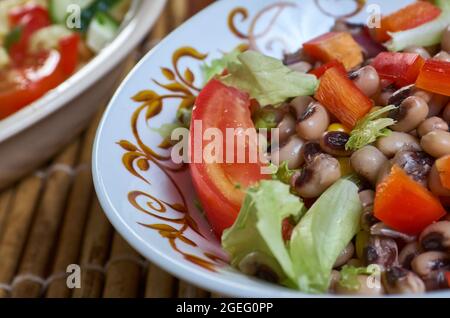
(259, 227)
(322, 235)
(370, 128)
(424, 35)
(217, 66)
(267, 79)
(349, 275)
(283, 173)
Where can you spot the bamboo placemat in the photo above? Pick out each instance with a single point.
(52, 219)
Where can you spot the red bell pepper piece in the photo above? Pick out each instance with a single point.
(335, 46)
(435, 77)
(342, 97)
(405, 205)
(409, 17)
(319, 71)
(400, 68)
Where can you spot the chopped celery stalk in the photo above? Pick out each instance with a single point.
(425, 35)
(102, 30)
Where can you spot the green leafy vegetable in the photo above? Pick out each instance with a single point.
(427, 34)
(370, 128)
(217, 66)
(258, 227)
(283, 173)
(13, 37)
(267, 79)
(443, 4)
(265, 120)
(322, 235)
(349, 275)
(165, 131)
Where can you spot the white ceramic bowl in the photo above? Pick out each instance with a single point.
(34, 134)
(148, 200)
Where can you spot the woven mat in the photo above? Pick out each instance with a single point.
(52, 219)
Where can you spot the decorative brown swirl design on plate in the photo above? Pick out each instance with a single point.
(140, 158)
(360, 4)
(250, 35)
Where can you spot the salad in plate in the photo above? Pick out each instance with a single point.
(43, 42)
(358, 196)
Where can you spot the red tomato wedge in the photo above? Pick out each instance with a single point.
(435, 77)
(400, 68)
(405, 205)
(221, 186)
(342, 97)
(409, 17)
(319, 71)
(39, 74)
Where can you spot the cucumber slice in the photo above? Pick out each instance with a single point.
(102, 30)
(119, 10)
(58, 8)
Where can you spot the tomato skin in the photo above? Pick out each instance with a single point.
(23, 85)
(400, 68)
(29, 19)
(221, 186)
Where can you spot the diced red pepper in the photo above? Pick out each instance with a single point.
(286, 229)
(319, 71)
(335, 46)
(342, 97)
(405, 205)
(400, 68)
(409, 17)
(68, 46)
(435, 77)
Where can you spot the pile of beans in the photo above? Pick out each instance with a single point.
(310, 139)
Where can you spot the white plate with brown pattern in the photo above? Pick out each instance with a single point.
(150, 200)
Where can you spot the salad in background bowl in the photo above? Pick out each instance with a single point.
(55, 54)
(356, 198)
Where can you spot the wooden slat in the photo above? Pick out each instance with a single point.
(17, 226)
(124, 271)
(186, 290)
(95, 252)
(160, 284)
(69, 243)
(5, 207)
(44, 231)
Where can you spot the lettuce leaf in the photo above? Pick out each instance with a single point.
(268, 80)
(217, 66)
(259, 226)
(322, 234)
(427, 34)
(370, 128)
(283, 173)
(349, 275)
